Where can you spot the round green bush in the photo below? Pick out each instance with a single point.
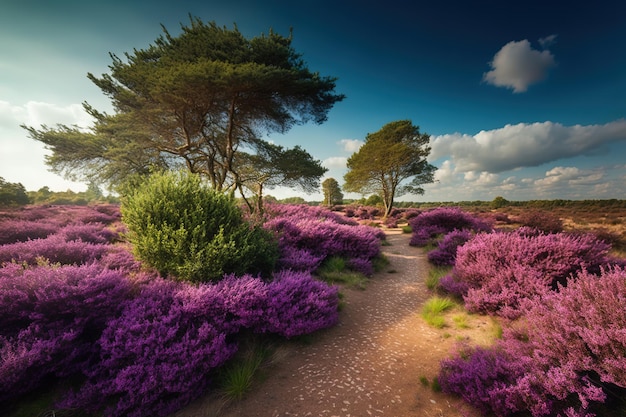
(183, 228)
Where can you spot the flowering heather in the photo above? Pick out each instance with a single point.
(63, 215)
(443, 220)
(55, 249)
(482, 377)
(445, 253)
(91, 233)
(298, 304)
(297, 259)
(48, 319)
(318, 233)
(156, 356)
(299, 211)
(169, 320)
(530, 369)
(501, 269)
(124, 331)
(18, 230)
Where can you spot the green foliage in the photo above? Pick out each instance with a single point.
(460, 321)
(391, 163)
(183, 228)
(433, 310)
(237, 376)
(332, 192)
(374, 200)
(334, 270)
(12, 194)
(380, 262)
(435, 274)
(199, 100)
(274, 166)
(499, 202)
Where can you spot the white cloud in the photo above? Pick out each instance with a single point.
(36, 113)
(445, 173)
(569, 176)
(335, 162)
(517, 66)
(524, 145)
(351, 145)
(22, 158)
(547, 41)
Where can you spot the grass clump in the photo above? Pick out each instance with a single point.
(460, 321)
(335, 270)
(435, 274)
(433, 311)
(237, 376)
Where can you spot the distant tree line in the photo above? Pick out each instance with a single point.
(14, 194)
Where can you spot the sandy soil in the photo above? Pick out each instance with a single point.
(374, 363)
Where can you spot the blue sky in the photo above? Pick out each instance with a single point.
(522, 100)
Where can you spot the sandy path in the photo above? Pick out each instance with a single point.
(371, 364)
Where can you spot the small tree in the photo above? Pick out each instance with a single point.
(389, 157)
(332, 192)
(274, 166)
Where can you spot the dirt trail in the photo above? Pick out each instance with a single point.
(372, 364)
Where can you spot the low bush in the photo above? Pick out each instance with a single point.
(186, 229)
(316, 234)
(443, 220)
(529, 369)
(54, 249)
(50, 319)
(445, 253)
(502, 269)
(18, 230)
(157, 355)
(541, 220)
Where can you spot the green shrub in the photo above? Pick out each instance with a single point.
(183, 228)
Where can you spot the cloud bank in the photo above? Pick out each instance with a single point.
(524, 145)
(502, 162)
(517, 65)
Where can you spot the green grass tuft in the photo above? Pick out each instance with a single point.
(433, 310)
(335, 270)
(435, 274)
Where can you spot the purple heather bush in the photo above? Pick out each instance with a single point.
(18, 230)
(90, 233)
(140, 371)
(54, 249)
(50, 318)
(482, 377)
(445, 253)
(64, 215)
(298, 304)
(502, 269)
(157, 355)
(304, 211)
(443, 220)
(531, 370)
(297, 259)
(315, 234)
